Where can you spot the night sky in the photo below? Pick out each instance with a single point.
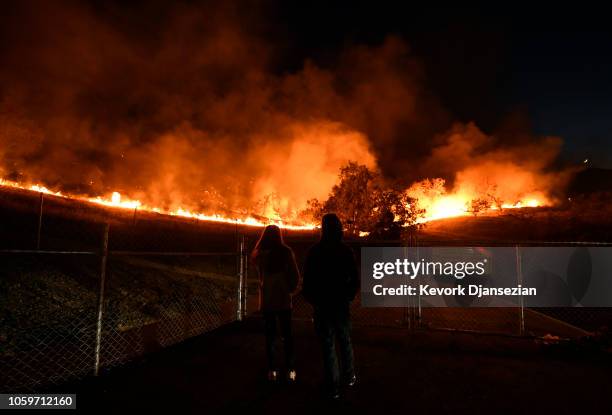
(103, 83)
(548, 67)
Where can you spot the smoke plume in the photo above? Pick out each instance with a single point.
(185, 105)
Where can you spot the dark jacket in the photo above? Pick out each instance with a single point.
(331, 278)
(279, 278)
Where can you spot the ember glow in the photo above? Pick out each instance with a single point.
(438, 203)
(430, 193)
(456, 205)
(117, 201)
(485, 181)
(211, 125)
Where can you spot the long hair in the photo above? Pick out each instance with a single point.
(331, 228)
(271, 240)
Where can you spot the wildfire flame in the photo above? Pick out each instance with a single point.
(455, 205)
(435, 201)
(116, 200)
(224, 130)
(438, 203)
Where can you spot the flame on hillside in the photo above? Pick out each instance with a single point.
(202, 120)
(438, 203)
(431, 195)
(116, 200)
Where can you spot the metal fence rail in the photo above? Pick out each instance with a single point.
(66, 314)
(78, 296)
(563, 322)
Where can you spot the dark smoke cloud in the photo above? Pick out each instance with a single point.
(181, 104)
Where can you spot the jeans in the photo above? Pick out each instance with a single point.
(270, 321)
(331, 325)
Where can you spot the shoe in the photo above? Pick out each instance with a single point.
(335, 393)
(291, 376)
(272, 375)
(352, 381)
(331, 392)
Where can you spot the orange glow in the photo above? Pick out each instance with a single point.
(522, 203)
(116, 200)
(439, 203)
(445, 207)
(431, 196)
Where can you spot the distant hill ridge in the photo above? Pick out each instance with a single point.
(591, 180)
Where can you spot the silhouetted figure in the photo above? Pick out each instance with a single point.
(330, 284)
(279, 278)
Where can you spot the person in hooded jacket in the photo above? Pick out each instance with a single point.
(279, 278)
(330, 284)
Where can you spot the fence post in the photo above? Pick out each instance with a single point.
(101, 299)
(241, 261)
(419, 316)
(519, 277)
(245, 277)
(406, 308)
(40, 215)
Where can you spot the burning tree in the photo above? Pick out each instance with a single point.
(366, 204)
(479, 205)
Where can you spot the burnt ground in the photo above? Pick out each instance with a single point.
(399, 372)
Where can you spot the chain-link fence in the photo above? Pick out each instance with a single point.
(82, 292)
(564, 322)
(86, 289)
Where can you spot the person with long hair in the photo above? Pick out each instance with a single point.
(331, 282)
(279, 278)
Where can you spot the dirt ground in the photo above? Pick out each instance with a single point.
(399, 372)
